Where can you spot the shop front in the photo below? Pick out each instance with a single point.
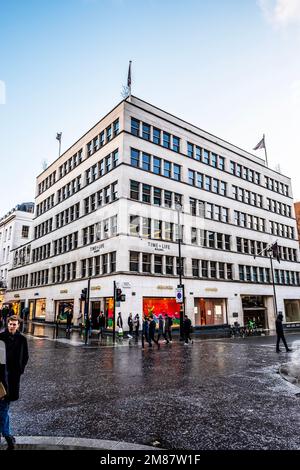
(292, 311)
(62, 307)
(210, 312)
(162, 305)
(37, 309)
(254, 309)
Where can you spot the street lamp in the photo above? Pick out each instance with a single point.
(178, 208)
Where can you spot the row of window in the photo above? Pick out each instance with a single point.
(155, 135)
(103, 138)
(254, 247)
(19, 282)
(155, 165)
(43, 228)
(209, 239)
(69, 189)
(155, 264)
(103, 167)
(282, 230)
(22, 256)
(208, 210)
(205, 156)
(68, 215)
(152, 228)
(211, 269)
(207, 183)
(99, 265)
(152, 195)
(42, 252)
(64, 244)
(248, 197)
(65, 272)
(100, 198)
(159, 137)
(47, 183)
(70, 164)
(100, 231)
(279, 207)
(249, 221)
(45, 205)
(276, 186)
(263, 275)
(39, 278)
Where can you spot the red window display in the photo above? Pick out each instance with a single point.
(162, 305)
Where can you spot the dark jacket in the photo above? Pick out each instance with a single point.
(187, 325)
(279, 326)
(152, 327)
(3, 370)
(16, 360)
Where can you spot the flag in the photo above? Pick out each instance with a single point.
(261, 144)
(129, 75)
(58, 136)
(276, 251)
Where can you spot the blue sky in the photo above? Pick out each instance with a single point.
(231, 67)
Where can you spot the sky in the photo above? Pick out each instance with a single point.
(230, 67)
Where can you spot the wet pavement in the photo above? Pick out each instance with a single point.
(214, 394)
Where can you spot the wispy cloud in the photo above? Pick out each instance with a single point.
(281, 12)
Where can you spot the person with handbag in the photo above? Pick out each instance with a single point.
(120, 326)
(16, 358)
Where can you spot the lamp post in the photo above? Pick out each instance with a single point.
(178, 207)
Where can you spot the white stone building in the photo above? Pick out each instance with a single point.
(15, 230)
(106, 210)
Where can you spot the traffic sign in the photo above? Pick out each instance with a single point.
(179, 295)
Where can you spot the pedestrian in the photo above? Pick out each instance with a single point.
(168, 328)
(101, 321)
(187, 326)
(16, 359)
(80, 323)
(69, 321)
(280, 334)
(145, 332)
(152, 327)
(130, 326)
(137, 326)
(120, 326)
(161, 326)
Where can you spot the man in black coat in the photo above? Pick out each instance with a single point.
(16, 360)
(280, 334)
(187, 326)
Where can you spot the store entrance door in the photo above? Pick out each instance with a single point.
(254, 309)
(95, 314)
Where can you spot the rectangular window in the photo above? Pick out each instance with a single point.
(198, 153)
(156, 165)
(169, 265)
(134, 190)
(191, 177)
(221, 163)
(166, 140)
(156, 135)
(167, 169)
(190, 150)
(208, 183)
(157, 197)
(113, 262)
(25, 231)
(108, 134)
(168, 231)
(168, 198)
(158, 264)
(176, 144)
(146, 263)
(157, 224)
(146, 193)
(146, 131)
(146, 162)
(135, 127)
(195, 267)
(206, 156)
(105, 263)
(146, 227)
(204, 268)
(213, 269)
(214, 160)
(135, 158)
(116, 127)
(134, 225)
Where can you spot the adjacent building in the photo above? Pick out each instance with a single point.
(113, 206)
(15, 230)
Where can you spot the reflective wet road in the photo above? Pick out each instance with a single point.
(214, 394)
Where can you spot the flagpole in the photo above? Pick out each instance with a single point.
(129, 81)
(266, 156)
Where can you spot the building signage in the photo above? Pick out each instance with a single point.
(159, 246)
(63, 291)
(179, 295)
(95, 287)
(97, 248)
(17, 296)
(211, 289)
(165, 287)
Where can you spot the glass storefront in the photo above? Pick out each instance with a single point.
(210, 312)
(292, 310)
(254, 309)
(109, 312)
(162, 305)
(61, 309)
(37, 309)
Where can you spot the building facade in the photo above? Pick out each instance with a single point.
(108, 210)
(15, 230)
